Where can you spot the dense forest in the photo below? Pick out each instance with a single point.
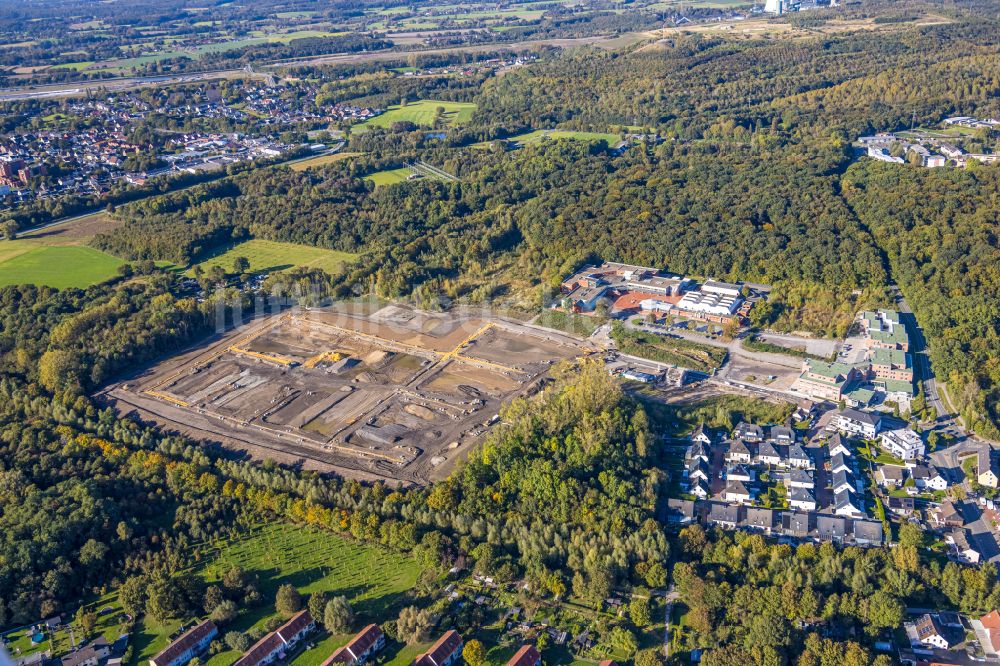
(940, 231)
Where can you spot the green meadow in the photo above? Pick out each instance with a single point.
(269, 256)
(423, 113)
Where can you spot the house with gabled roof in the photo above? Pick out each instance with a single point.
(758, 520)
(748, 432)
(445, 652)
(987, 474)
(797, 525)
(890, 476)
(702, 435)
(837, 445)
(366, 643)
(928, 477)
(900, 506)
(800, 478)
(187, 646)
(724, 515)
(797, 457)
(991, 626)
(857, 423)
(739, 452)
(842, 482)
(698, 451)
(831, 528)
(868, 532)
(739, 492)
(699, 489)
(274, 645)
(801, 499)
(845, 504)
(697, 469)
(740, 473)
(768, 455)
(933, 633)
(946, 514)
(782, 435)
(838, 463)
(680, 511)
(527, 655)
(965, 549)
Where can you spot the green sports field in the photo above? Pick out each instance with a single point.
(423, 113)
(269, 256)
(25, 261)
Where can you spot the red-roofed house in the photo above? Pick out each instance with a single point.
(369, 641)
(991, 623)
(190, 644)
(526, 656)
(277, 643)
(443, 653)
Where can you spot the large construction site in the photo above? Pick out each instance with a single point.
(366, 391)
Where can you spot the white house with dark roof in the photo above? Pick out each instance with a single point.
(857, 423)
(697, 469)
(724, 515)
(701, 435)
(748, 432)
(838, 463)
(739, 452)
(740, 473)
(928, 477)
(738, 492)
(845, 504)
(767, 454)
(782, 435)
(890, 476)
(836, 445)
(797, 457)
(800, 478)
(801, 499)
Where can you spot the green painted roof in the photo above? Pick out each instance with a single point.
(863, 396)
(895, 335)
(895, 357)
(834, 372)
(896, 385)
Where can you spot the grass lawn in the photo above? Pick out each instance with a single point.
(110, 624)
(310, 559)
(34, 261)
(320, 160)
(539, 135)
(423, 113)
(568, 322)
(268, 256)
(389, 176)
(670, 350)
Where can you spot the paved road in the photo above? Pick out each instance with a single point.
(921, 359)
(668, 609)
(120, 83)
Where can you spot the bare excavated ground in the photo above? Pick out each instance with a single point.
(388, 392)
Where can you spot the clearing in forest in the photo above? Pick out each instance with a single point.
(269, 256)
(423, 113)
